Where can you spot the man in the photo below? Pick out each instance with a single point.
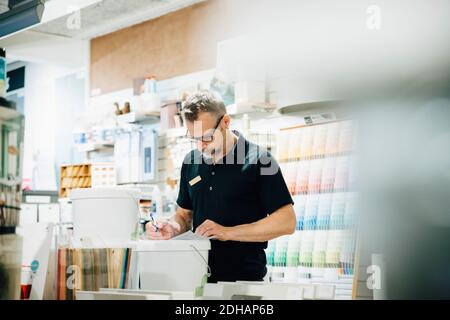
(230, 191)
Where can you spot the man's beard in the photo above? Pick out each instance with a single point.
(210, 154)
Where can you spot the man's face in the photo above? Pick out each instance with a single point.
(210, 141)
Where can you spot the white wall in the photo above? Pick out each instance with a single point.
(41, 121)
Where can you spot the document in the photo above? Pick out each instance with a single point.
(189, 235)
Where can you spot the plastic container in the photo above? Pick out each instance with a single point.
(171, 265)
(10, 266)
(105, 217)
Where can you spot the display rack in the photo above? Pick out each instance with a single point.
(11, 159)
(73, 177)
(318, 163)
(87, 175)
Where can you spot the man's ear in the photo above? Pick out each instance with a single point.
(227, 121)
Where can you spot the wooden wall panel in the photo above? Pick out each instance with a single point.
(181, 42)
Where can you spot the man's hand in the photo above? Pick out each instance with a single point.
(166, 230)
(210, 229)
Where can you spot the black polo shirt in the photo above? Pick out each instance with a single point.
(246, 186)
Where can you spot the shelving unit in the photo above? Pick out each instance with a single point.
(318, 165)
(136, 117)
(238, 109)
(8, 113)
(73, 177)
(11, 158)
(86, 175)
(90, 147)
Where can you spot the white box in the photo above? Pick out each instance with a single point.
(48, 213)
(28, 213)
(104, 217)
(171, 265)
(65, 209)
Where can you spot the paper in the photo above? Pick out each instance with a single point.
(189, 235)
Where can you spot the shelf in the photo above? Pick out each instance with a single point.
(311, 106)
(316, 157)
(250, 108)
(174, 133)
(8, 113)
(136, 117)
(89, 147)
(10, 183)
(343, 190)
(345, 228)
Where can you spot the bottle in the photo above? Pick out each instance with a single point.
(150, 85)
(117, 109)
(127, 108)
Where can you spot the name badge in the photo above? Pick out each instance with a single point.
(196, 180)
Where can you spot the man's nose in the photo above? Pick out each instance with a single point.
(202, 145)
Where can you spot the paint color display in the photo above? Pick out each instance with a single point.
(328, 211)
(318, 164)
(314, 251)
(316, 141)
(319, 176)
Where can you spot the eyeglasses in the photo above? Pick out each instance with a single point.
(209, 137)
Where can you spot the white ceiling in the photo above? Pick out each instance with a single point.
(111, 15)
(331, 48)
(104, 16)
(55, 42)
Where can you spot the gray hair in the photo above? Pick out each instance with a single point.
(203, 101)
